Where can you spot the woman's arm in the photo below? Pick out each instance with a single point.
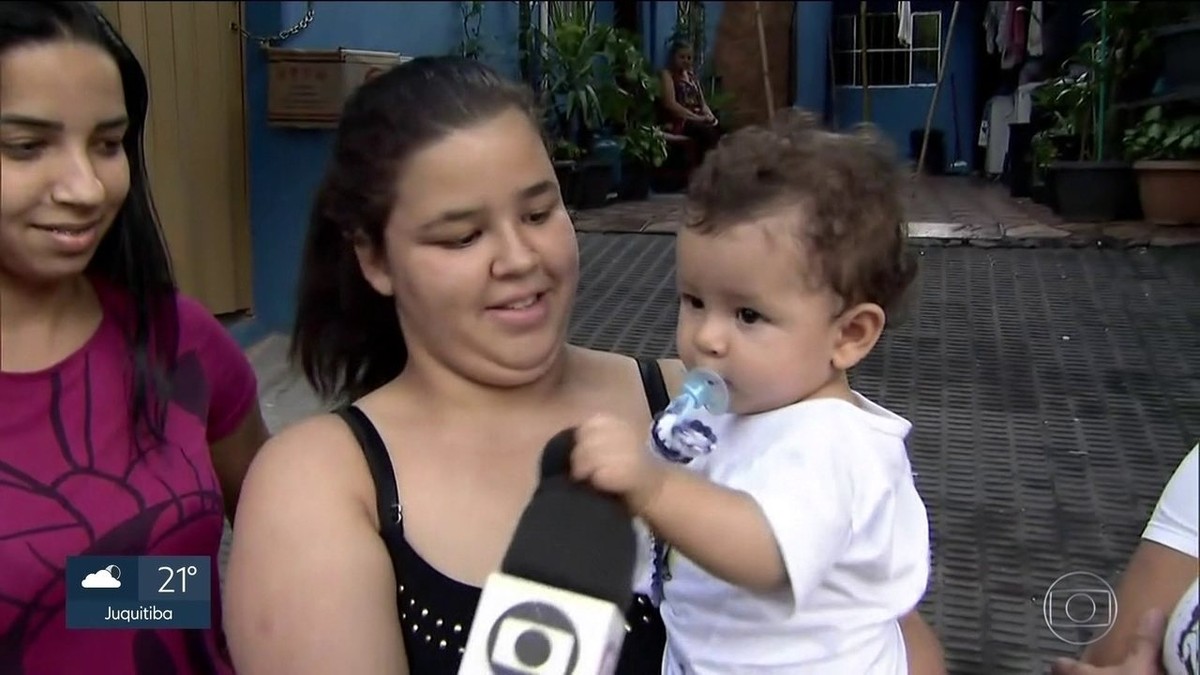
(1156, 578)
(310, 587)
(925, 656)
(1144, 656)
(233, 454)
(708, 113)
(1162, 567)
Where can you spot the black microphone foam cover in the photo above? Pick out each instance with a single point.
(572, 536)
(556, 457)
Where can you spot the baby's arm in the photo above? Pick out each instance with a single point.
(782, 523)
(723, 531)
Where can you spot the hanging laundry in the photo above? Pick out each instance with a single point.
(1033, 44)
(1005, 25)
(1018, 23)
(904, 12)
(995, 25)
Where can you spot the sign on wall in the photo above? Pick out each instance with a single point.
(306, 88)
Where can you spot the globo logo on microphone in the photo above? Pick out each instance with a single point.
(533, 638)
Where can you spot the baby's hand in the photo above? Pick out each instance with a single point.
(613, 457)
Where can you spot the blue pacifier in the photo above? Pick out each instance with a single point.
(702, 388)
(677, 434)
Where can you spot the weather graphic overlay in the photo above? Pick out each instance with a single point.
(124, 592)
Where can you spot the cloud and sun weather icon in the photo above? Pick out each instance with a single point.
(142, 592)
(105, 577)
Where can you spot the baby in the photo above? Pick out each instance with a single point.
(796, 537)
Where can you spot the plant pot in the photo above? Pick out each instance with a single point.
(935, 150)
(1018, 170)
(1169, 191)
(1180, 45)
(1039, 193)
(565, 172)
(593, 182)
(635, 181)
(1090, 192)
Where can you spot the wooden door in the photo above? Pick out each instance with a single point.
(739, 58)
(196, 140)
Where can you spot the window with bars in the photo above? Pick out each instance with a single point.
(890, 63)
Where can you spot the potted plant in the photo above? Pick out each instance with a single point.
(565, 157)
(1081, 187)
(1077, 158)
(629, 92)
(1165, 152)
(645, 149)
(570, 98)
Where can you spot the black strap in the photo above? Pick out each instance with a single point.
(387, 501)
(656, 388)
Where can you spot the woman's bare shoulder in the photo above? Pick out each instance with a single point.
(619, 365)
(306, 539)
(317, 458)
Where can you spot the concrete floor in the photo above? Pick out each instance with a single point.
(1052, 392)
(940, 209)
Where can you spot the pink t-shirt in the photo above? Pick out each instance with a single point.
(70, 484)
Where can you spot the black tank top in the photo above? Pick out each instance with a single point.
(436, 611)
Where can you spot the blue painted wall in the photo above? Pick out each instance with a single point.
(286, 165)
(811, 34)
(603, 11)
(897, 111)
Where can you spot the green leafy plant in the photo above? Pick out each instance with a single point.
(646, 144)
(1082, 99)
(566, 150)
(1070, 100)
(1157, 137)
(570, 89)
(629, 90)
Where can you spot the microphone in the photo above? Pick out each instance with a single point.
(557, 606)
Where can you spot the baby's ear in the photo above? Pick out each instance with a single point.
(857, 331)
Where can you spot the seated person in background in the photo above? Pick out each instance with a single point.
(801, 539)
(1157, 627)
(686, 112)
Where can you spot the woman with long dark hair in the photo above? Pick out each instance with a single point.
(129, 415)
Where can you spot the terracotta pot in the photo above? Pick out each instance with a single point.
(1170, 191)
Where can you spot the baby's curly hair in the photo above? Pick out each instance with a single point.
(845, 188)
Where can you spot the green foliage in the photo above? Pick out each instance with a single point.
(1083, 97)
(1157, 137)
(570, 88)
(646, 144)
